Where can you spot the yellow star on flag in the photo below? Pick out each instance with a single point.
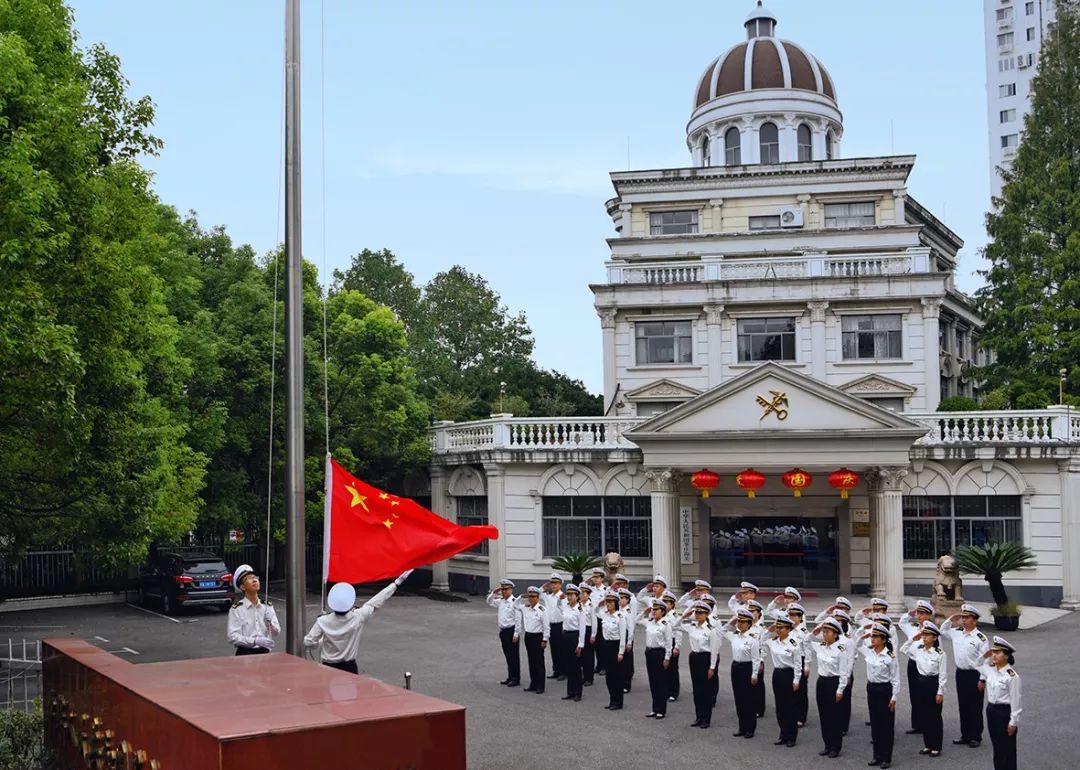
(384, 496)
(393, 502)
(388, 524)
(357, 498)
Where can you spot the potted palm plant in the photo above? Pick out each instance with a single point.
(993, 561)
(576, 564)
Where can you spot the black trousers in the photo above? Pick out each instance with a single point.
(699, 679)
(344, 665)
(912, 674)
(830, 713)
(745, 705)
(609, 656)
(970, 701)
(759, 692)
(802, 698)
(714, 688)
(782, 681)
(627, 666)
(673, 676)
(535, 655)
(997, 723)
(658, 681)
(571, 665)
(588, 658)
(599, 642)
(555, 648)
(252, 651)
(845, 705)
(924, 703)
(882, 720)
(511, 652)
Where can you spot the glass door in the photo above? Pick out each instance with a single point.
(774, 551)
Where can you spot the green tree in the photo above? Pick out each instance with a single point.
(1031, 300)
(379, 276)
(91, 445)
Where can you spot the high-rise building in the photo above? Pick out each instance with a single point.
(1014, 32)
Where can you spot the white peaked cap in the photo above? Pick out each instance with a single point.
(341, 597)
(239, 574)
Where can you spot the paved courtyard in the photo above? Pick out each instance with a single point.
(453, 653)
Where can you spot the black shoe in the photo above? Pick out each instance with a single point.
(867, 724)
(738, 734)
(539, 692)
(608, 706)
(913, 731)
(823, 753)
(884, 765)
(747, 735)
(651, 715)
(561, 677)
(553, 676)
(616, 708)
(873, 763)
(659, 716)
(514, 683)
(577, 699)
(780, 742)
(704, 725)
(959, 741)
(587, 684)
(505, 681)
(696, 723)
(530, 689)
(924, 751)
(790, 744)
(671, 699)
(833, 754)
(974, 743)
(567, 697)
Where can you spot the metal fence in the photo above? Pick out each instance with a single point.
(20, 675)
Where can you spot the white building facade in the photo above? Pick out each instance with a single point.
(1014, 31)
(772, 307)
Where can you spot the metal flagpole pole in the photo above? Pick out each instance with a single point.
(294, 343)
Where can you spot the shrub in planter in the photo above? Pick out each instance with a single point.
(576, 564)
(993, 561)
(1006, 616)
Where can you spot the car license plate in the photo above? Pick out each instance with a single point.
(208, 584)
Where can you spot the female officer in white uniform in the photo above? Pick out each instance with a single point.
(1003, 709)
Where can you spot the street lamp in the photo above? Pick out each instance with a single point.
(1063, 375)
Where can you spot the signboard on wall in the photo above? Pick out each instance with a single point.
(686, 535)
(860, 522)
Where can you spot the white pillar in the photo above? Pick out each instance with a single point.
(714, 315)
(899, 196)
(818, 361)
(440, 504)
(931, 312)
(607, 328)
(751, 147)
(789, 139)
(665, 523)
(817, 140)
(496, 510)
(1069, 471)
(887, 535)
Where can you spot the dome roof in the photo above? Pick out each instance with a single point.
(773, 63)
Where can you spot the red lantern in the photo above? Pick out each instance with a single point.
(750, 480)
(843, 480)
(705, 480)
(797, 479)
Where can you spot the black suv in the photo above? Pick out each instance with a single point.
(175, 579)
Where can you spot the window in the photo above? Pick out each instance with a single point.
(766, 339)
(769, 142)
(872, 336)
(1029, 9)
(849, 214)
(1007, 116)
(663, 342)
(1005, 40)
(673, 222)
(1008, 63)
(472, 510)
(934, 526)
(732, 147)
(1003, 14)
(1030, 33)
(1010, 140)
(828, 145)
(765, 222)
(596, 525)
(1008, 89)
(806, 148)
(653, 408)
(706, 156)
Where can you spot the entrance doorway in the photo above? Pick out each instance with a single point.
(774, 550)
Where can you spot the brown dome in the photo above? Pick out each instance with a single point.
(774, 63)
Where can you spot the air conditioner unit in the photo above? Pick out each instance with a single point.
(791, 216)
(1021, 61)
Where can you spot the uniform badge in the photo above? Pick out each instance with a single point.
(1011, 672)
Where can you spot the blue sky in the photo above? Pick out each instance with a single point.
(482, 133)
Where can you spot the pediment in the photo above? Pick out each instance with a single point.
(876, 385)
(773, 400)
(662, 390)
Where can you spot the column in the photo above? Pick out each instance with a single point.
(1069, 471)
(817, 139)
(887, 535)
(714, 315)
(717, 206)
(496, 510)
(665, 523)
(607, 328)
(818, 360)
(899, 195)
(751, 146)
(696, 155)
(440, 504)
(931, 359)
(789, 138)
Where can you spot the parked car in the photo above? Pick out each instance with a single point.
(175, 579)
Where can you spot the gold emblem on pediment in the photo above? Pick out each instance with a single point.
(777, 405)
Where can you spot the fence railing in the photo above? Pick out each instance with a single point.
(536, 433)
(1053, 425)
(20, 675)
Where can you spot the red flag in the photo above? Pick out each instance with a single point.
(373, 535)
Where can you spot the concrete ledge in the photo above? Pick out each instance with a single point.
(63, 600)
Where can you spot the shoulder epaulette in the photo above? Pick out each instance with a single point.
(237, 603)
(840, 647)
(793, 642)
(938, 650)
(1011, 672)
(980, 635)
(892, 654)
(268, 603)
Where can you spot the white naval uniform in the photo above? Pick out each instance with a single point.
(702, 638)
(882, 668)
(338, 636)
(969, 647)
(658, 633)
(248, 621)
(834, 659)
(745, 648)
(508, 615)
(534, 620)
(930, 661)
(574, 619)
(1003, 688)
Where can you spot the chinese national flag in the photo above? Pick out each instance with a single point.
(373, 535)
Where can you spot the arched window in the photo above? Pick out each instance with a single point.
(706, 152)
(806, 149)
(769, 139)
(732, 147)
(828, 145)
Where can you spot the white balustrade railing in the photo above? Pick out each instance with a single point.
(539, 433)
(1053, 425)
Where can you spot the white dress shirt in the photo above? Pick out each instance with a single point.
(702, 637)
(832, 659)
(338, 636)
(882, 668)
(534, 620)
(969, 647)
(1002, 686)
(247, 621)
(574, 620)
(930, 661)
(745, 647)
(658, 634)
(553, 604)
(589, 610)
(508, 615)
(785, 653)
(614, 628)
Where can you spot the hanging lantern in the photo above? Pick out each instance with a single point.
(843, 480)
(750, 480)
(705, 480)
(797, 479)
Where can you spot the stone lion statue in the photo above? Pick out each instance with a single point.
(947, 584)
(613, 564)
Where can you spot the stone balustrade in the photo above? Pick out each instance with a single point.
(1053, 425)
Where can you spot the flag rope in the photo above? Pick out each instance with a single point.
(326, 296)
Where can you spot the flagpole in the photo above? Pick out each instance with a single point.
(326, 531)
(294, 344)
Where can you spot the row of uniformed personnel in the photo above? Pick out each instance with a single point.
(603, 620)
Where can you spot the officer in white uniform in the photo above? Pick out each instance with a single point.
(253, 624)
(509, 618)
(970, 646)
(537, 630)
(337, 633)
(553, 596)
(911, 624)
(746, 592)
(1003, 705)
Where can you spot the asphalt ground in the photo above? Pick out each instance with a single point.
(452, 650)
